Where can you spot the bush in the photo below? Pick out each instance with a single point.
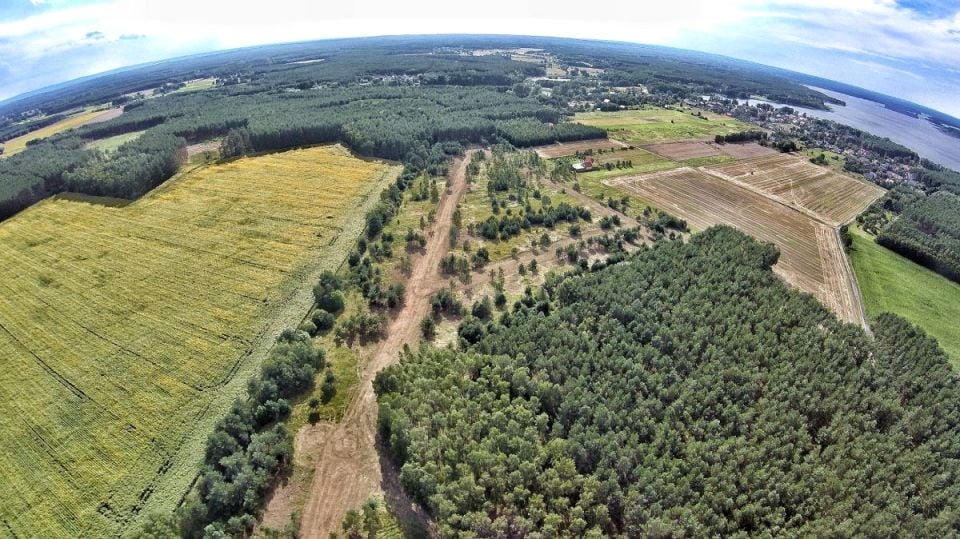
(323, 320)
(428, 328)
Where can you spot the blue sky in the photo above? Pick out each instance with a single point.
(907, 48)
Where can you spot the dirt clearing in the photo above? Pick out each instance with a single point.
(562, 149)
(348, 468)
(681, 151)
(745, 150)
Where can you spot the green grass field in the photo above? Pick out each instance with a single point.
(892, 283)
(651, 125)
(197, 85)
(835, 161)
(110, 144)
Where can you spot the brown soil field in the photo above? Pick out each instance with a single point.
(811, 256)
(210, 146)
(561, 149)
(745, 150)
(833, 198)
(681, 151)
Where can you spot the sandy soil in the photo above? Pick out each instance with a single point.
(681, 151)
(349, 469)
(561, 149)
(745, 150)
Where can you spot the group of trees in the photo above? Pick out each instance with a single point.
(684, 392)
(418, 125)
(132, 170)
(741, 136)
(936, 177)
(506, 226)
(249, 447)
(927, 231)
(532, 132)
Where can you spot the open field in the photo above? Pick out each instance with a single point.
(833, 198)
(642, 160)
(654, 125)
(681, 151)
(17, 145)
(811, 256)
(197, 85)
(894, 284)
(835, 161)
(111, 144)
(127, 331)
(745, 150)
(561, 149)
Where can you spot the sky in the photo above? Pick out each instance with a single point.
(906, 48)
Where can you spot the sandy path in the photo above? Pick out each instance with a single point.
(348, 468)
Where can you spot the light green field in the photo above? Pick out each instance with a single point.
(892, 283)
(651, 125)
(110, 144)
(197, 85)
(835, 161)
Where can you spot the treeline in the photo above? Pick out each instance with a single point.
(934, 176)
(15, 130)
(249, 447)
(741, 136)
(530, 132)
(386, 122)
(37, 173)
(684, 392)
(928, 232)
(135, 168)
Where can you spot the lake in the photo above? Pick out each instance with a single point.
(918, 134)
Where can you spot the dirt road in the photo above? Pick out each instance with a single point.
(348, 468)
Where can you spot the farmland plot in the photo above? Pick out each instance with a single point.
(811, 256)
(681, 151)
(126, 331)
(654, 125)
(16, 145)
(561, 149)
(830, 197)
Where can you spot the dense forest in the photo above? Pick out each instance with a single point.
(297, 107)
(928, 232)
(683, 392)
(352, 91)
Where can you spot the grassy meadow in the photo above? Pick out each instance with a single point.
(127, 331)
(110, 144)
(652, 125)
(892, 283)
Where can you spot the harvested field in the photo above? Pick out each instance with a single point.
(681, 151)
(745, 150)
(561, 149)
(127, 331)
(830, 197)
(17, 145)
(811, 256)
